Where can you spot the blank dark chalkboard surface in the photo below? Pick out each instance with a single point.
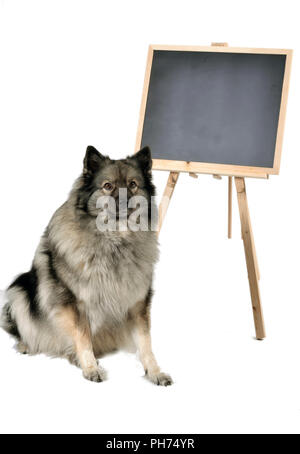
(217, 107)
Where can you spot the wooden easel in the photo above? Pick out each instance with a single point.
(218, 170)
(246, 229)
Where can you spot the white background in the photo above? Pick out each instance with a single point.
(72, 75)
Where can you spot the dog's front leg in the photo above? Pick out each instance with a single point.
(76, 327)
(142, 338)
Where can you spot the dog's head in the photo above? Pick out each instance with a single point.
(103, 177)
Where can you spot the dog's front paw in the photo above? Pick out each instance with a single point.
(97, 374)
(160, 379)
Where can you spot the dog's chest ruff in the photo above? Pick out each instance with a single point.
(116, 275)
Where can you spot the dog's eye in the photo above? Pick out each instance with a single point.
(108, 186)
(132, 185)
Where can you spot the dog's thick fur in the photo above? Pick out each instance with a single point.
(89, 291)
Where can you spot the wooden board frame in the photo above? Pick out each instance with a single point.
(209, 168)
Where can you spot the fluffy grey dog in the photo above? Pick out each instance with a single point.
(89, 291)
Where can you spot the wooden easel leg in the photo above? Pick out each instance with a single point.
(250, 257)
(255, 255)
(171, 183)
(229, 206)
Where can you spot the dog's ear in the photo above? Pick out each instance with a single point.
(92, 160)
(144, 159)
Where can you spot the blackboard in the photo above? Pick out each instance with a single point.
(214, 107)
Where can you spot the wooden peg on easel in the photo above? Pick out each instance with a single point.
(220, 44)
